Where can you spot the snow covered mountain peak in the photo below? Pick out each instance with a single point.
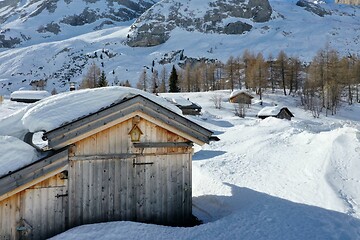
(25, 22)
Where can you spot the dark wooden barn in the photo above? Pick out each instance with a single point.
(186, 106)
(276, 111)
(130, 161)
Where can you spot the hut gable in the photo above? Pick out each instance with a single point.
(97, 173)
(240, 96)
(276, 111)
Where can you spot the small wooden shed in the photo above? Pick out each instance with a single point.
(29, 96)
(240, 96)
(186, 106)
(275, 111)
(130, 161)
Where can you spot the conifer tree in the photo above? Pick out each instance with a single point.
(102, 80)
(173, 81)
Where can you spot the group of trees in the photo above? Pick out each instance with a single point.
(330, 80)
(94, 78)
(322, 83)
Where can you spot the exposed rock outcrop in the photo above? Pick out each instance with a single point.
(210, 16)
(312, 7)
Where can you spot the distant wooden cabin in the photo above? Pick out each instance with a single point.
(186, 106)
(29, 96)
(276, 111)
(240, 96)
(131, 161)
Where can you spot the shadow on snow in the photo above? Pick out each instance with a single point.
(249, 214)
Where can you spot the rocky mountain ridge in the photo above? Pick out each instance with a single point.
(223, 17)
(191, 29)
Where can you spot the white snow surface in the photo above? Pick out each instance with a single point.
(265, 179)
(29, 94)
(15, 154)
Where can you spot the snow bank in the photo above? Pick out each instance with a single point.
(11, 125)
(15, 154)
(59, 109)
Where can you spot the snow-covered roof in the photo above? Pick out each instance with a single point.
(237, 92)
(29, 94)
(15, 154)
(180, 101)
(177, 100)
(270, 111)
(59, 109)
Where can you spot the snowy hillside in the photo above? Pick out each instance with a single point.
(292, 28)
(265, 179)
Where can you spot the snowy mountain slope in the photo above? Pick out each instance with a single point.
(292, 28)
(28, 22)
(265, 179)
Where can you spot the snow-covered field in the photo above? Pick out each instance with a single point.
(265, 179)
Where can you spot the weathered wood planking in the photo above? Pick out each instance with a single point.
(157, 140)
(124, 191)
(38, 211)
(118, 185)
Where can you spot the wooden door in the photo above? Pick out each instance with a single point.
(145, 186)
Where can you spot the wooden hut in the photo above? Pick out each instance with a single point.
(275, 111)
(240, 96)
(186, 106)
(130, 161)
(29, 96)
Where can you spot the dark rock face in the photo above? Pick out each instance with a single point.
(50, 27)
(313, 8)
(237, 28)
(224, 17)
(8, 43)
(87, 16)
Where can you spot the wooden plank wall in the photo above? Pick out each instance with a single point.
(105, 185)
(37, 209)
